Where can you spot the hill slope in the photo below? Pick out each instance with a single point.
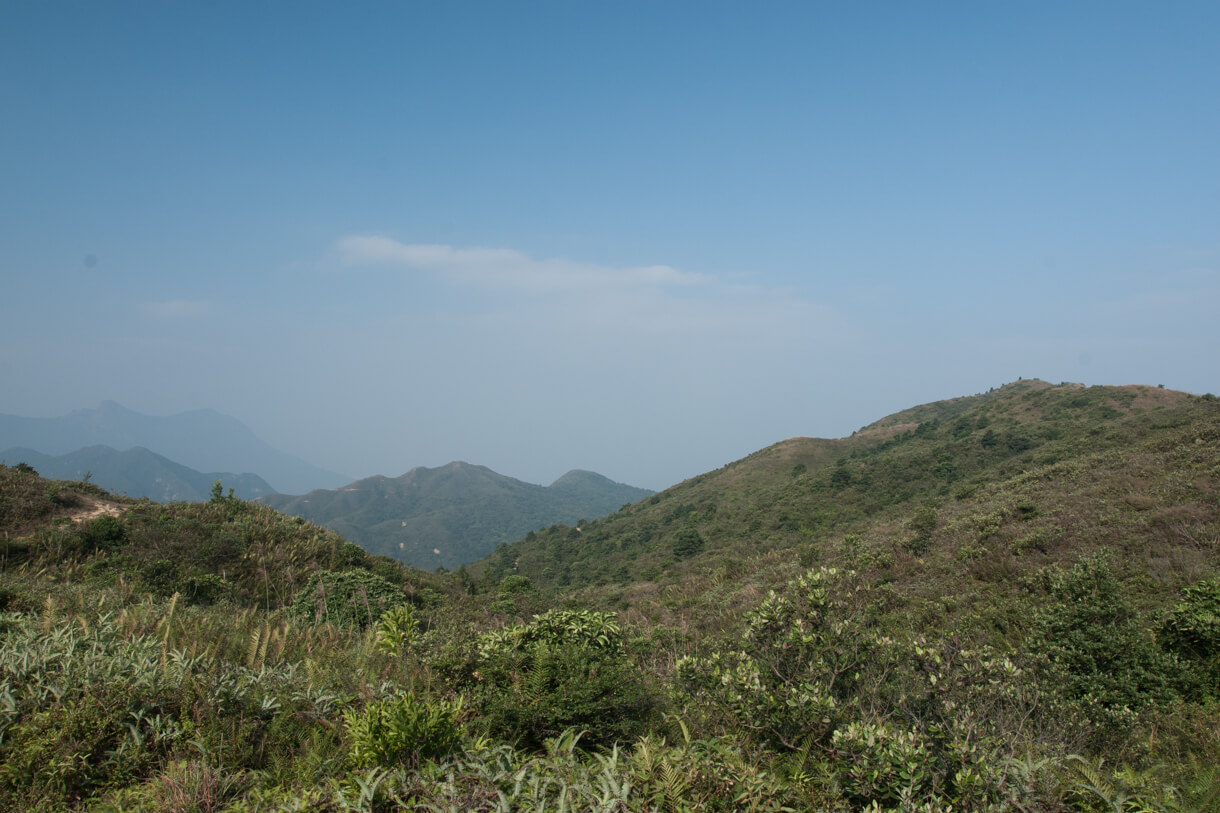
(954, 492)
(453, 514)
(137, 472)
(201, 439)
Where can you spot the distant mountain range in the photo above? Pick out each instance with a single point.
(201, 439)
(454, 514)
(137, 473)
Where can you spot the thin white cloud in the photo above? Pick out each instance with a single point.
(506, 267)
(174, 309)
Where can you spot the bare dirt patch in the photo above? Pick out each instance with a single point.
(92, 508)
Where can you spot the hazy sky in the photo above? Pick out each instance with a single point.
(640, 238)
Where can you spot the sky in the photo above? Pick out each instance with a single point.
(640, 238)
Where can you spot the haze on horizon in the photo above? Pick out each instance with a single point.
(640, 239)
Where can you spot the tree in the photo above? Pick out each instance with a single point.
(688, 543)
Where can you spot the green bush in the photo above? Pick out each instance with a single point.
(103, 533)
(1191, 630)
(160, 577)
(803, 652)
(1095, 644)
(396, 630)
(206, 589)
(534, 693)
(688, 543)
(882, 763)
(564, 669)
(349, 598)
(403, 730)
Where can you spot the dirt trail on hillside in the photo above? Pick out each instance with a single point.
(94, 508)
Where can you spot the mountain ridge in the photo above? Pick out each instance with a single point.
(137, 472)
(453, 514)
(201, 439)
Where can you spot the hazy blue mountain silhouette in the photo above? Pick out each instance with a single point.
(137, 473)
(201, 439)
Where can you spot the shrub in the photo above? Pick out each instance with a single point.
(102, 533)
(883, 763)
(206, 589)
(160, 577)
(396, 630)
(803, 651)
(350, 598)
(564, 669)
(1094, 642)
(1191, 630)
(516, 584)
(403, 730)
(688, 543)
(534, 693)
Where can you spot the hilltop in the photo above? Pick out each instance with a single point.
(453, 514)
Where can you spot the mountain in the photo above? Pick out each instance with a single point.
(963, 489)
(201, 439)
(137, 472)
(453, 514)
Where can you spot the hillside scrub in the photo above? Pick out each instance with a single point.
(915, 620)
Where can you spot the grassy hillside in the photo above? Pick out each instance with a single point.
(454, 514)
(1004, 602)
(981, 475)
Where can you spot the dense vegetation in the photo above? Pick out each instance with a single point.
(1004, 602)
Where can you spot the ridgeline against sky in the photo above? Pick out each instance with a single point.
(635, 238)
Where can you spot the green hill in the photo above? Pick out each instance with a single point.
(1004, 602)
(454, 514)
(907, 487)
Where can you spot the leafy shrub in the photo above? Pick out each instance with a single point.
(536, 692)
(922, 523)
(1095, 643)
(351, 598)
(516, 584)
(206, 589)
(816, 675)
(403, 730)
(1191, 630)
(882, 763)
(565, 668)
(688, 543)
(396, 630)
(102, 533)
(803, 651)
(160, 577)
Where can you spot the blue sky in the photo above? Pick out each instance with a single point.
(640, 238)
